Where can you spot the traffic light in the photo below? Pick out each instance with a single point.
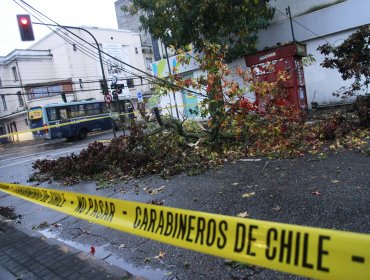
(25, 27)
(119, 88)
(103, 87)
(64, 98)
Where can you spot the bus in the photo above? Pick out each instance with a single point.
(83, 116)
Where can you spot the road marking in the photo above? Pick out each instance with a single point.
(37, 154)
(20, 162)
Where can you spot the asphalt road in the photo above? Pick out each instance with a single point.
(328, 191)
(16, 158)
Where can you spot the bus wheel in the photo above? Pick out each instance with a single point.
(82, 134)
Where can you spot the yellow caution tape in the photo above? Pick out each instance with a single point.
(312, 252)
(52, 126)
(136, 112)
(104, 141)
(61, 124)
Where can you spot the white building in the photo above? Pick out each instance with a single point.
(315, 22)
(63, 63)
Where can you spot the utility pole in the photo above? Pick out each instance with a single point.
(105, 91)
(291, 21)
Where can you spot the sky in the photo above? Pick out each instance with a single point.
(98, 13)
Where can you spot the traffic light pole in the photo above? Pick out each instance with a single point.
(105, 91)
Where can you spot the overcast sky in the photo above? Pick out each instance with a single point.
(99, 13)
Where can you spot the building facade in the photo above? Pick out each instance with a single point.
(68, 64)
(150, 47)
(315, 23)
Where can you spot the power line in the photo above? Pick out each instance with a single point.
(85, 50)
(62, 82)
(83, 78)
(297, 22)
(68, 92)
(156, 80)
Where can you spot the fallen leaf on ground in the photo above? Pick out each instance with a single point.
(92, 250)
(249, 194)
(43, 225)
(156, 202)
(122, 246)
(243, 214)
(156, 191)
(277, 208)
(335, 181)
(160, 256)
(316, 193)
(235, 184)
(122, 190)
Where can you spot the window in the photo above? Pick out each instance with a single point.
(4, 103)
(130, 83)
(148, 62)
(92, 109)
(52, 114)
(41, 92)
(2, 129)
(15, 73)
(1, 83)
(20, 99)
(26, 121)
(63, 114)
(105, 108)
(77, 111)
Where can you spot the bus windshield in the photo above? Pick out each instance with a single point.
(35, 113)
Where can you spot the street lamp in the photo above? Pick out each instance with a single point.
(105, 91)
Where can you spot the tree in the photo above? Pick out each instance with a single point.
(351, 59)
(232, 24)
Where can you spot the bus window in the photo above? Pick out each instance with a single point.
(114, 106)
(105, 108)
(52, 114)
(63, 114)
(77, 111)
(92, 109)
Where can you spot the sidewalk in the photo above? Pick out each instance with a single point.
(27, 257)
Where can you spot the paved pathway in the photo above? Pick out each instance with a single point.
(28, 257)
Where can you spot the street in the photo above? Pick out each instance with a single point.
(15, 167)
(16, 158)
